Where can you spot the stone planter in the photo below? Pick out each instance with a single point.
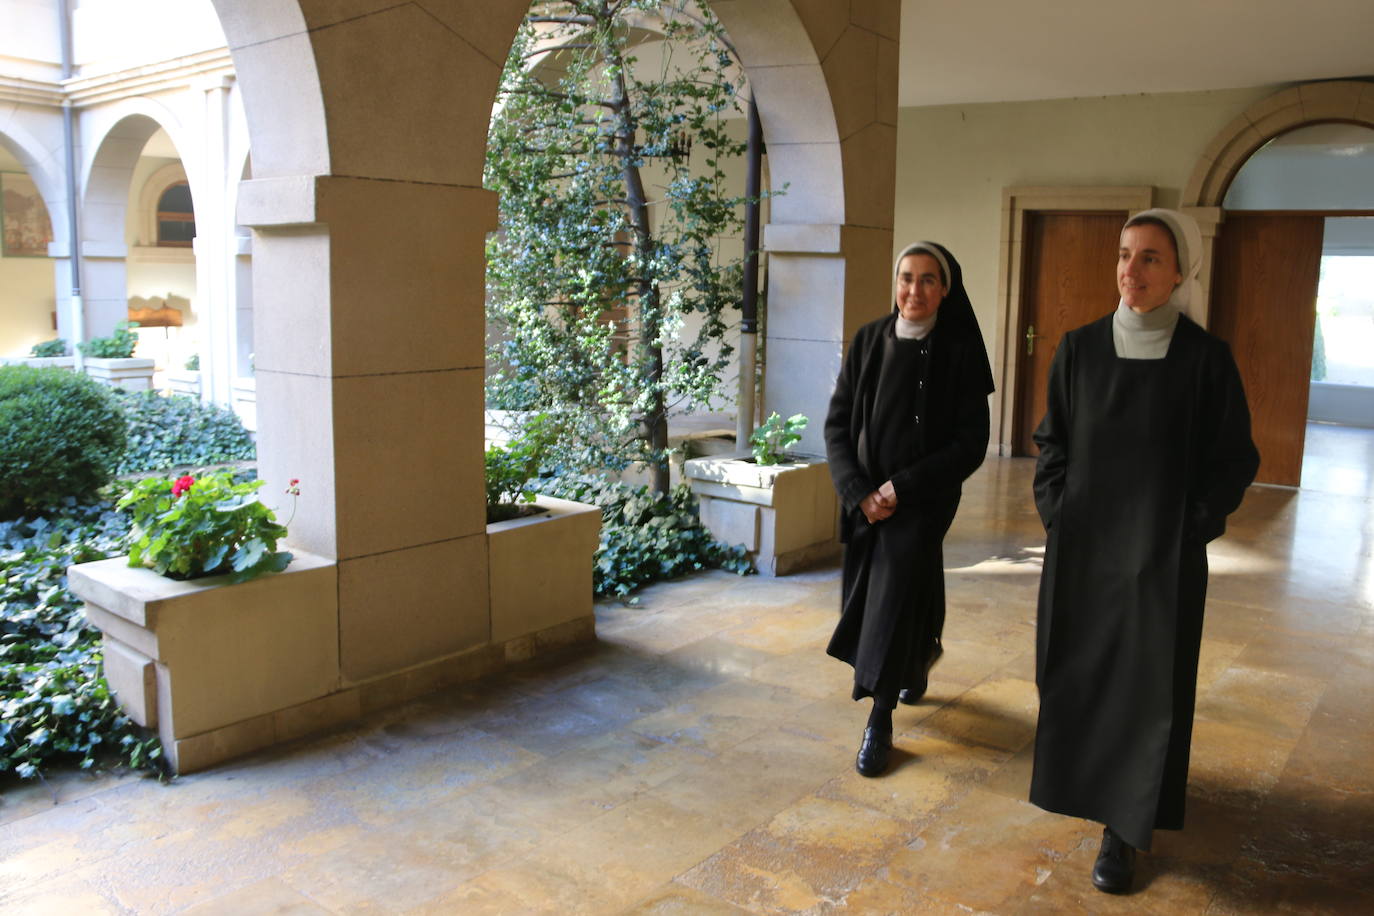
(132, 374)
(785, 515)
(541, 575)
(218, 669)
(184, 381)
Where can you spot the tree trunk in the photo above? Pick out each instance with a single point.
(655, 422)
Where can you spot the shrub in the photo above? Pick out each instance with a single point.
(55, 347)
(192, 363)
(119, 345)
(645, 536)
(55, 705)
(177, 431)
(509, 469)
(207, 526)
(60, 436)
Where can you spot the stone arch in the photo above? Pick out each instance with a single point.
(117, 136)
(39, 164)
(1347, 101)
(368, 282)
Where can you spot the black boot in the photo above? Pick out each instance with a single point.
(1115, 865)
(874, 752)
(912, 695)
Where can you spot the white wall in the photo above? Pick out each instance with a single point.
(954, 160)
(30, 43)
(109, 35)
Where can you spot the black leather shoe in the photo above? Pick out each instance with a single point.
(910, 696)
(1115, 865)
(874, 752)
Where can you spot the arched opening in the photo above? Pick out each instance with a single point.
(1295, 162)
(28, 302)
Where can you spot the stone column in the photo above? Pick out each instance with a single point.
(213, 245)
(370, 332)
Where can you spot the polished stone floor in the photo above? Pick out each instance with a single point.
(699, 759)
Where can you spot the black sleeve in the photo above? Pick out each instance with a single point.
(1052, 435)
(841, 421)
(945, 468)
(1228, 459)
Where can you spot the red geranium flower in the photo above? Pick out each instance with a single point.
(182, 484)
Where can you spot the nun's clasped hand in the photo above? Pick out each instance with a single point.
(880, 504)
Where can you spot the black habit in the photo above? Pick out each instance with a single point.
(914, 412)
(1141, 460)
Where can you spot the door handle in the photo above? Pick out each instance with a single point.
(1030, 339)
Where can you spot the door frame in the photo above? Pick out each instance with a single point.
(1017, 204)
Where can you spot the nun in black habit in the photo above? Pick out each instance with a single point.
(1144, 450)
(907, 424)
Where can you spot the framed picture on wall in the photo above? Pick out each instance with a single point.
(25, 229)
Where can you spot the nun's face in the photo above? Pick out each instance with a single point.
(919, 290)
(1147, 267)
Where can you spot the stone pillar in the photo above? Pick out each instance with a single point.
(213, 245)
(1209, 220)
(370, 332)
(825, 77)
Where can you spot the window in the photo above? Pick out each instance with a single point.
(176, 220)
(1343, 352)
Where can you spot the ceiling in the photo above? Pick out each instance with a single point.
(961, 51)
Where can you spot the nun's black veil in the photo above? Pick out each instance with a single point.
(956, 311)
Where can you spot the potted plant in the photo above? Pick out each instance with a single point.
(781, 506)
(211, 634)
(185, 380)
(539, 549)
(111, 361)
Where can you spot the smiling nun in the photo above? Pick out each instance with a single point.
(907, 424)
(1144, 450)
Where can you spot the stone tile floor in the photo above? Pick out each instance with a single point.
(699, 759)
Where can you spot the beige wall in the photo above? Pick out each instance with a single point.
(26, 304)
(953, 162)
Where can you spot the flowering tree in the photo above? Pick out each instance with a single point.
(611, 225)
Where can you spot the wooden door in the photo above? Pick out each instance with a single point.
(1068, 280)
(1264, 296)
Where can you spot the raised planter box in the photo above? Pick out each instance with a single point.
(541, 572)
(785, 515)
(133, 373)
(42, 362)
(184, 381)
(218, 669)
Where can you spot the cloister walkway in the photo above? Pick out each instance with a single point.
(699, 759)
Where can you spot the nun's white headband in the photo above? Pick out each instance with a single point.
(929, 248)
(1188, 241)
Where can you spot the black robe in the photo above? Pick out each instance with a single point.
(924, 425)
(1140, 463)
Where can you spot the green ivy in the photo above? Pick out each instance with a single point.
(119, 345)
(178, 431)
(646, 536)
(55, 705)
